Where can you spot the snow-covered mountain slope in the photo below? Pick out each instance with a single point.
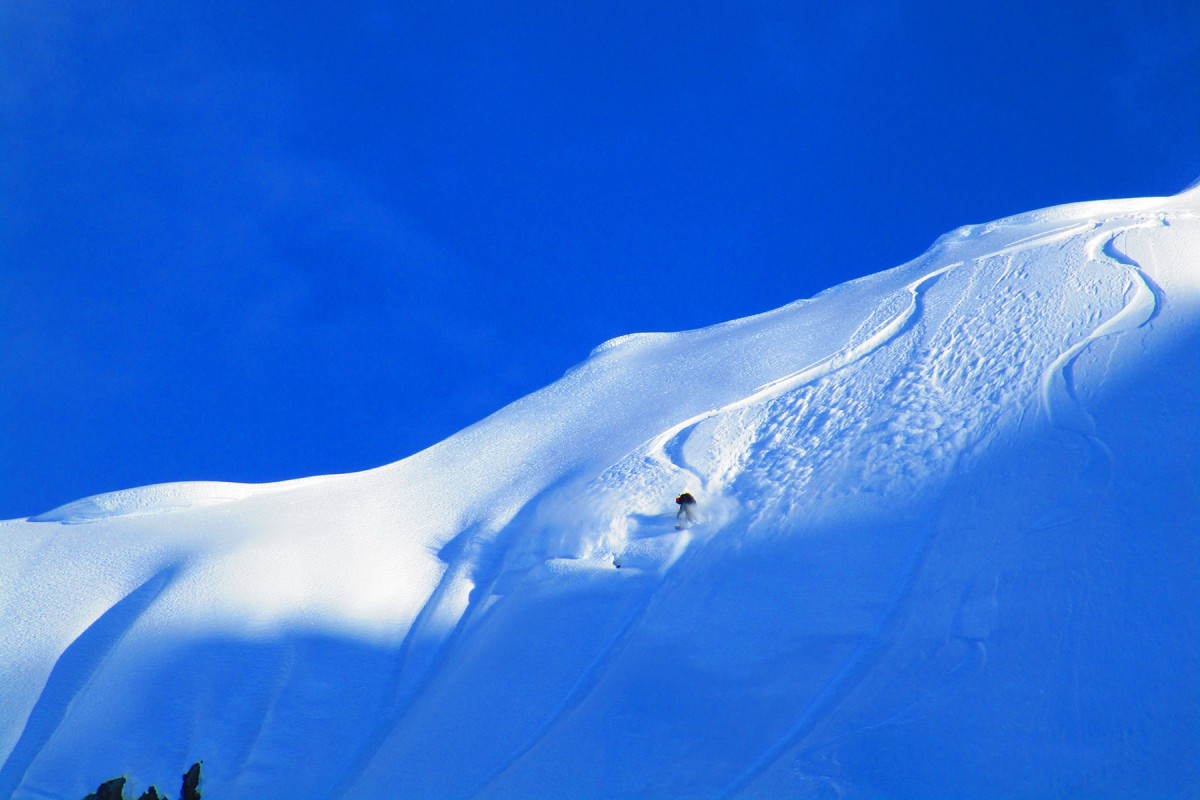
(950, 548)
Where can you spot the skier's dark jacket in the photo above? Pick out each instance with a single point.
(685, 499)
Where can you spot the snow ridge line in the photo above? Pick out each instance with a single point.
(1043, 237)
(890, 330)
(410, 673)
(73, 671)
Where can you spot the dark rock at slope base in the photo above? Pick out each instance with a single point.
(109, 790)
(191, 780)
(115, 788)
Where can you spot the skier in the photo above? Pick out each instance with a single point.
(686, 503)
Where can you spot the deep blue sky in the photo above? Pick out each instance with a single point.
(253, 241)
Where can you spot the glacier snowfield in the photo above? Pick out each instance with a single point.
(949, 548)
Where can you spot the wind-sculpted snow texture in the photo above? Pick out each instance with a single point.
(949, 548)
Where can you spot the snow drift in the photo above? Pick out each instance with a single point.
(949, 549)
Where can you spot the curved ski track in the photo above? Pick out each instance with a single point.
(1135, 313)
(889, 331)
(1141, 307)
(656, 450)
(1059, 399)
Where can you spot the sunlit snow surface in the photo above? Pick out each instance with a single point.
(950, 548)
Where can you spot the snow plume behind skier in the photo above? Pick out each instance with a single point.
(686, 516)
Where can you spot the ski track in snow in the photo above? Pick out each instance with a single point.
(409, 679)
(896, 326)
(1059, 398)
(857, 665)
(657, 451)
(667, 451)
(1137, 311)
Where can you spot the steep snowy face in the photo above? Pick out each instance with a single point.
(947, 547)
